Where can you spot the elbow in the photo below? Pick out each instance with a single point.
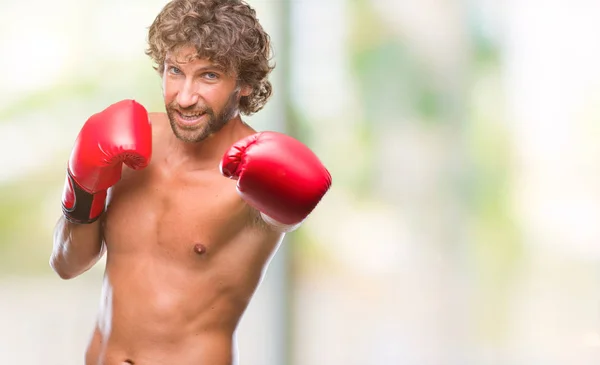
(60, 271)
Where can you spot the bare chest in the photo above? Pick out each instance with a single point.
(182, 217)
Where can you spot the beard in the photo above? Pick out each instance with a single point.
(213, 124)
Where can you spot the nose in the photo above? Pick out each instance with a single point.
(188, 95)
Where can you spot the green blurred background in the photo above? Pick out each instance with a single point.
(462, 136)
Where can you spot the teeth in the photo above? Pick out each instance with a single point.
(190, 116)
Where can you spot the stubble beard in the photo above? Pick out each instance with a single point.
(213, 124)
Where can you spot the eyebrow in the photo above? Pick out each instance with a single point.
(210, 67)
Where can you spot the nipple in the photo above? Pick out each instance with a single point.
(199, 248)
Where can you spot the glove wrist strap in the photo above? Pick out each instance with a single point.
(86, 207)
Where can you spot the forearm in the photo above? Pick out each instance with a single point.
(120, 134)
(77, 247)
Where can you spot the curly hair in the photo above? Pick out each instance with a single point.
(226, 32)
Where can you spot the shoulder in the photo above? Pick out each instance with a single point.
(243, 129)
(160, 128)
(158, 121)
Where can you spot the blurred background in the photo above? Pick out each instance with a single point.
(462, 136)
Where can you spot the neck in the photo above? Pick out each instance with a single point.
(207, 153)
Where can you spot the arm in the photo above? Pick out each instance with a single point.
(77, 247)
(120, 134)
(278, 176)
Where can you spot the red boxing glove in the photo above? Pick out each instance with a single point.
(119, 134)
(277, 175)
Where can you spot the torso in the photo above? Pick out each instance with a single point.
(184, 256)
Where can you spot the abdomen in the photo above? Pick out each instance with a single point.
(154, 309)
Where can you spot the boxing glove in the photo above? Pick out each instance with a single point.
(119, 134)
(277, 175)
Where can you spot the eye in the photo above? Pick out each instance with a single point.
(174, 70)
(210, 76)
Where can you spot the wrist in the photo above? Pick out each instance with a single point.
(278, 226)
(79, 205)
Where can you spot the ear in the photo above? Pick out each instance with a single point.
(245, 90)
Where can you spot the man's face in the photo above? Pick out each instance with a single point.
(200, 98)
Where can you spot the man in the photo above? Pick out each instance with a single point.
(189, 205)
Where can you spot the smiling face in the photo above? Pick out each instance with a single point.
(200, 97)
(226, 32)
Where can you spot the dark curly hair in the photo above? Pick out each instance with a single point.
(226, 32)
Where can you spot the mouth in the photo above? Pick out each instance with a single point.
(189, 119)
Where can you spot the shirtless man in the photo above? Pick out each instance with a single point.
(189, 205)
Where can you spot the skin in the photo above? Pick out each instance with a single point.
(185, 253)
